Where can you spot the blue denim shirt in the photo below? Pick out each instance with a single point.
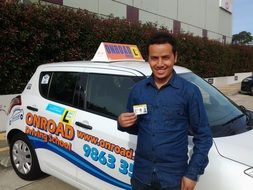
(162, 144)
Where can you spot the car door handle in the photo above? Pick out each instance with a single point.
(85, 126)
(32, 108)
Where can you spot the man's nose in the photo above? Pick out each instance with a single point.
(160, 61)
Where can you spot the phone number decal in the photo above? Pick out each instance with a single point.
(108, 160)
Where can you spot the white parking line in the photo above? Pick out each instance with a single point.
(2, 136)
(4, 149)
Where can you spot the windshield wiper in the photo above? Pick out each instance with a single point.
(231, 120)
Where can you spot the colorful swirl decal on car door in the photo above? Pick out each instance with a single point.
(79, 162)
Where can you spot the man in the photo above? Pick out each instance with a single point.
(173, 107)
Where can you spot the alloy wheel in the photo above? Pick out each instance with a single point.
(22, 157)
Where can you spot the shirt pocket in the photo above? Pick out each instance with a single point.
(173, 114)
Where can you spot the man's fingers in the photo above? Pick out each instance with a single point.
(127, 119)
(128, 114)
(188, 184)
(129, 123)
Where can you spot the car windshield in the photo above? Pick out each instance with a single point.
(224, 117)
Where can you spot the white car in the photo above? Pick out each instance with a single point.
(69, 129)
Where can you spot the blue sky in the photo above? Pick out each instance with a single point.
(242, 16)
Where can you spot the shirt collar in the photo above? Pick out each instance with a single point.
(172, 82)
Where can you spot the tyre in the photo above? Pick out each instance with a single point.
(251, 90)
(23, 158)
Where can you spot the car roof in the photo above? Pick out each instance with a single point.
(139, 66)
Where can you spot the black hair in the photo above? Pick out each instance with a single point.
(162, 38)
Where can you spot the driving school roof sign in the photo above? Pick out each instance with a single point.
(117, 52)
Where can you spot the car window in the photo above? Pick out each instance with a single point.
(80, 92)
(45, 78)
(108, 94)
(224, 117)
(64, 87)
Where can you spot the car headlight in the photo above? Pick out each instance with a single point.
(247, 79)
(249, 172)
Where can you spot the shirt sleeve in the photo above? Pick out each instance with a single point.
(129, 108)
(202, 136)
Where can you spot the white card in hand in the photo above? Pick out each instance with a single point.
(140, 109)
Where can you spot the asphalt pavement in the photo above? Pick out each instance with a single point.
(4, 151)
(233, 92)
(10, 181)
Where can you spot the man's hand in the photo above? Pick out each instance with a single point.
(127, 119)
(188, 184)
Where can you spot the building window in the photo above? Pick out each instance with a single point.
(224, 39)
(132, 14)
(204, 33)
(176, 26)
(58, 2)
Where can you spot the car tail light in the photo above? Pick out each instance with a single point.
(14, 102)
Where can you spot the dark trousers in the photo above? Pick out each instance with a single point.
(155, 184)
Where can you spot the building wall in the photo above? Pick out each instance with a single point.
(225, 23)
(212, 15)
(90, 5)
(192, 12)
(198, 17)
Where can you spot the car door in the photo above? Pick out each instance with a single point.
(51, 127)
(105, 155)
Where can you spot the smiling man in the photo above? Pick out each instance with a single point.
(168, 106)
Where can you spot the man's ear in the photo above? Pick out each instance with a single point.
(176, 57)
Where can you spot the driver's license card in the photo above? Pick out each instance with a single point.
(140, 109)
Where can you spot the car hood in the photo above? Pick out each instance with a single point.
(238, 147)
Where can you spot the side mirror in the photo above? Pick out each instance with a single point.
(243, 109)
(249, 115)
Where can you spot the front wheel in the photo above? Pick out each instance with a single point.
(251, 91)
(23, 158)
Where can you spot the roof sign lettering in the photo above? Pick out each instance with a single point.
(117, 52)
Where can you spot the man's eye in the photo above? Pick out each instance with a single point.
(154, 58)
(166, 58)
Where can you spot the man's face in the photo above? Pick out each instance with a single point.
(161, 60)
